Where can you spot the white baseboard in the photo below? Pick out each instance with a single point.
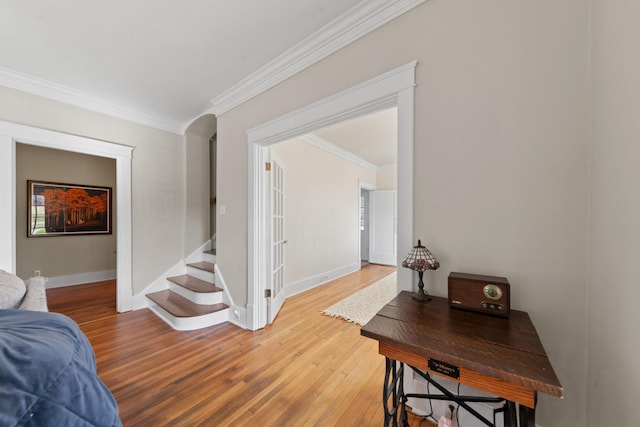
(80, 278)
(251, 321)
(238, 316)
(320, 279)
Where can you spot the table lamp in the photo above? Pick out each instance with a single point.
(420, 260)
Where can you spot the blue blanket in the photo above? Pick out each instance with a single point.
(48, 374)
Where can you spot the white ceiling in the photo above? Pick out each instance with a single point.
(373, 138)
(164, 63)
(163, 58)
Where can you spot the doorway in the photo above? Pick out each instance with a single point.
(65, 261)
(364, 227)
(213, 161)
(200, 192)
(382, 227)
(10, 135)
(392, 89)
(363, 220)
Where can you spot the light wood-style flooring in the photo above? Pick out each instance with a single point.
(307, 369)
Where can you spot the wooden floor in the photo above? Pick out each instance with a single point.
(307, 369)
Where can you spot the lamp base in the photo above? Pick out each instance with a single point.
(421, 296)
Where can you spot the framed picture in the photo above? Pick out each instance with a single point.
(67, 209)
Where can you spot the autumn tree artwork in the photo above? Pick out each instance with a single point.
(65, 209)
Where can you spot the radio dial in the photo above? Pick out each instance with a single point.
(493, 292)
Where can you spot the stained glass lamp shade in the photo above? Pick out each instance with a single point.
(420, 259)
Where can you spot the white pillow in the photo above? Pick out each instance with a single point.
(36, 297)
(12, 290)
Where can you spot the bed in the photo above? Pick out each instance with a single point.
(48, 373)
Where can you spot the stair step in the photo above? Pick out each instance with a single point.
(210, 252)
(203, 265)
(194, 284)
(179, 306)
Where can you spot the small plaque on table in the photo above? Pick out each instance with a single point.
(444, 368)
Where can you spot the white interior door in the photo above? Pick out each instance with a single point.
(277, 232)
(382, 227)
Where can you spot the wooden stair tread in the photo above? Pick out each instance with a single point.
(210, 252)
(203, 265)
(194, 284)
(179, 306)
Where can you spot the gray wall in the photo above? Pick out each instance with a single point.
(507, 180)
(501, 157)
(614, 270)
(157, 181)
(62, 255)
(321, 210)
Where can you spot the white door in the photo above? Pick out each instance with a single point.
(277, 240)
(382, 227)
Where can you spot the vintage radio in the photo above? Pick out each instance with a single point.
(484, 294)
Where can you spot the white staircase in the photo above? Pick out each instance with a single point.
(192, 301)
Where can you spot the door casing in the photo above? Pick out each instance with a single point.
(392, 89)
(12, 133)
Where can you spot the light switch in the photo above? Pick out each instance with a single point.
(223, 210)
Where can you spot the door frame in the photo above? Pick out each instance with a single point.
(10, 135)
(392, 89)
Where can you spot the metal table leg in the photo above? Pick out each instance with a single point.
(394, 400)
(393, 394)
(510, 415)
(527, 417)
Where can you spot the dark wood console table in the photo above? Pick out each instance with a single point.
(503, 357)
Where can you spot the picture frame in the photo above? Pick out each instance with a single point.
(56, 209)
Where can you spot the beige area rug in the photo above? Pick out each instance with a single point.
(364, 304)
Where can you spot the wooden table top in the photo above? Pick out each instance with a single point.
(506, 349)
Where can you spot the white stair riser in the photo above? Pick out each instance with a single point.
(190, 323)
(207, 298)
(210, 258)
(201, 274)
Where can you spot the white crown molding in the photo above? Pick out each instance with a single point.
(327, 146)
(358, 21)
(353, 102)
(40, 87)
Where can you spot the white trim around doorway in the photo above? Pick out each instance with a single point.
(392, 89)
(10, 135)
